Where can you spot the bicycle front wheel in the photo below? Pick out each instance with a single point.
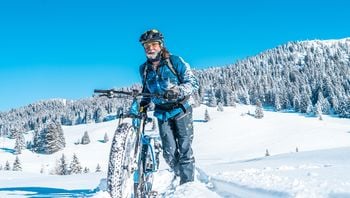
(122, 162)
(145, 180)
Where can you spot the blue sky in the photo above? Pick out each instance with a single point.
(66, 48)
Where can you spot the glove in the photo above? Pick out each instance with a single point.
(172, 93)
(143, 106)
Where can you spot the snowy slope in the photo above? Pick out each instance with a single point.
(230, 159)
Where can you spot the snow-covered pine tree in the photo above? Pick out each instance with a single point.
(259, 111)
(50, 140)
(206, 115)
(305, 102)
(344, 108)
(7, 166)
(98, 168)
(19, 141)
(277, 102)
(230, 98)
(17, 165)
(105, 138)
(99, 114)
(88, 116)
(212, 102)
(29, 145)
(220, 107)
(85, 139)
(61, 166)
(42, 169)
(75, 167)
(86, 170)
(322, 104)
(36, 140)
(61, 141)
(17, 149)
(77, 142)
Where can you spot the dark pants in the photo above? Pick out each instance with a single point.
(177, 136)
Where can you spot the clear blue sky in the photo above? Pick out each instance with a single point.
(66, 48)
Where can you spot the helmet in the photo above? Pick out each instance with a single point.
(152, 35)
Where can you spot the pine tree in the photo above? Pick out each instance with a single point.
(42, 169)
(99, 114)
(29, 145)
(18, 147)
(98, 168)
(17, 165)
(36, 140)
(212, 102)
(86, 170)
(20, 141)
(50, 139)
(85, 139)
(61, 142)
(61, 166)
(7, 166)
(77, 142)
(277, 103)
(259, 111)
(105, 138)
(0, 167)
(206, 116)
(220, 107)
(75, 167)
(344, 108)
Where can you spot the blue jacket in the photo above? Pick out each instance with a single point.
(163, 79)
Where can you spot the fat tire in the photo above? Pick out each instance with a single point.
(121, 162)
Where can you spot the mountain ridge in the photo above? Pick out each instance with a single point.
(309, 77)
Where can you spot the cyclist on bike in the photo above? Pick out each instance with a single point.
(170, 76)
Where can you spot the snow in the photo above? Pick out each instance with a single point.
(230, 159)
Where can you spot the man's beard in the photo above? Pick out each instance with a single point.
(154, 57)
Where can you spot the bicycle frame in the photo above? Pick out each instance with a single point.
(144, 154)
(139, 121)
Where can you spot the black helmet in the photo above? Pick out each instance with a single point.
(152, 35)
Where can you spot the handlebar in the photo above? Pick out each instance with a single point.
(112, 93)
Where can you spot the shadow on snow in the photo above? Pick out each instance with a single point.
(44, 192)
(8, 150)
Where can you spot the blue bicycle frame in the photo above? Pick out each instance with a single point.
(146, 142)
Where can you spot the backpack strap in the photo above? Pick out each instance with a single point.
(144, 76)
(172, 69)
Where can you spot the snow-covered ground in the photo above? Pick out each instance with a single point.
(230, 159)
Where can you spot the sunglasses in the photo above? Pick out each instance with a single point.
(151, 44)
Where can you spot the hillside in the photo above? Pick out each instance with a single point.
(230, 159)
(311, 77)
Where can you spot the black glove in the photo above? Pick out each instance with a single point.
(172, 93)
(143, 106)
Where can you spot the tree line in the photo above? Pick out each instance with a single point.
(311, 77)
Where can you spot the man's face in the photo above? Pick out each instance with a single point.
(152, 49)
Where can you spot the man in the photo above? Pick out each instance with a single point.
(170, 76)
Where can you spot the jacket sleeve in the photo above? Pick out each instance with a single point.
(188, 81)
(144, 101)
